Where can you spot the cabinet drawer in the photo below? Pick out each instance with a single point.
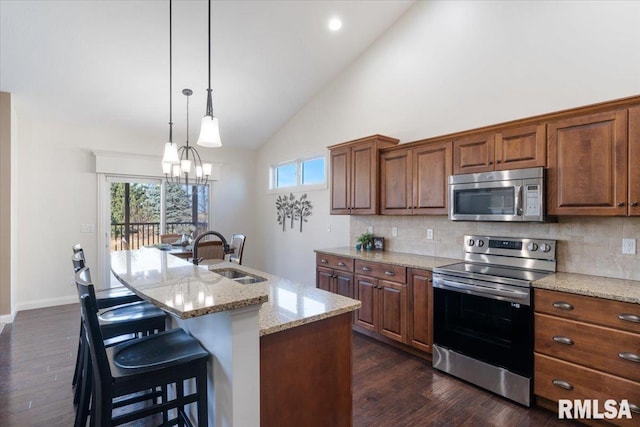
(335, 261)
(621, 315)
(605, 349)
(552, 374)
(380, 270)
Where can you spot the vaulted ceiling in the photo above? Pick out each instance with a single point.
(106, 62)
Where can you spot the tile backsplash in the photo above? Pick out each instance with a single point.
(586, 245)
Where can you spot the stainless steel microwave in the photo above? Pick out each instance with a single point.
(509, 195)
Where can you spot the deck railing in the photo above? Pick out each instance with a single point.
(144, 233)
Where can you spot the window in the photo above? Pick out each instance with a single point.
(306, 174)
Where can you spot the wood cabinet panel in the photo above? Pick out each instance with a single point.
(393, 310)
(634, 161)
(380, 270)
(343, 284)
(364, 179)
(584, 383)
(473, 154)
(589, 345)
(396, 182)
(520, 148)
(334, 261)
(587, 171)
(340, 160)
(324, 279)
(589, 309)
(366, 316)
(432, 165)
(420, 310)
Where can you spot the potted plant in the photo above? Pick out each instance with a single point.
(365, 240)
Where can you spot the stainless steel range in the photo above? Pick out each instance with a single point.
(483, 318)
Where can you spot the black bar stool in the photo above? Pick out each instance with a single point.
(142, 369)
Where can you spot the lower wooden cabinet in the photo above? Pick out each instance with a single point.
(336, 281)
(384, 307)
(587, 348)
(420, 324)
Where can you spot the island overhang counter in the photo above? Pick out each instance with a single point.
(258, 334)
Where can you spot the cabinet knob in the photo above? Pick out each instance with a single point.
(562, 384)
(324, 261)
(620, 204)
(389, 273)
(562, 305)
(341, 264)
(631, 357)
(629, 317)
(634, 408)
(634, 204)
(366, 269)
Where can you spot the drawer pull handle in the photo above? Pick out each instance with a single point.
(562, 384)
(366, 269)
(563, 340)
(634, 408)
(631, 357)
(342, 264)
(389, 273)
(324, 261)
(563, 305)
(629, 317)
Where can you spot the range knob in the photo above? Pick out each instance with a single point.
(480, 243)
(545, 247)
(471, 242)
(532, 247)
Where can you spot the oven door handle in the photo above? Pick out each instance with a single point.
(479, 290)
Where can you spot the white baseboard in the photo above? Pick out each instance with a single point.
(47, 302)
(8, 318)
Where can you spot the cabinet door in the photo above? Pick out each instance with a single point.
(392, 306)
(520, 148)
(364, 179)
(634, 161)
(340, 180)
(432, 165)
(587, 172)
(366, 292)
(344, 284)
(396, 182)
(420, 324)
(472, 154)
(324, 279)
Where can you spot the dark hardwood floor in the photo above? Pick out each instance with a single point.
(391, 388)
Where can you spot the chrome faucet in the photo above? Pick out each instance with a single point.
(225, 245)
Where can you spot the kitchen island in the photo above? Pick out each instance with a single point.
(280, 350)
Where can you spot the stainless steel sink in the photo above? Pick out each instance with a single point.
(239, 276)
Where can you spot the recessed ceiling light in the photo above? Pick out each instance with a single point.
(335, 24)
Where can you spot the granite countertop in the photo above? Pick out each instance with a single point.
(581, 284)
(396, 258)
(593, 286)
(186, 290)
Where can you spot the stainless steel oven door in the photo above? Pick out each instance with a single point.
(489, 322)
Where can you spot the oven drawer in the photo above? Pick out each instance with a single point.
(334, 261)
(555, 379)
(380, 270)
(620, 315)
(610, 350)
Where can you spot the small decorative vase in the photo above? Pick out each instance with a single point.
(369, 246)
(358, 246)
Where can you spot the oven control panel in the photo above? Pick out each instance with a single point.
(511, 246)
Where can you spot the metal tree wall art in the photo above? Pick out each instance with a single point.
(288, 208)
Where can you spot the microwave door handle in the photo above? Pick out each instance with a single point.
(518, 200)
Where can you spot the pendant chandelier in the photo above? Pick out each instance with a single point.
(179, 163)
(209, 130)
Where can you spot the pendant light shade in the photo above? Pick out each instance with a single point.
(170, 153)
(209, 129)
(209, 132)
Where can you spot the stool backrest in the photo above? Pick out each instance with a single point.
(237, 243)
(77, 249)
(78, 262)
(95, 341)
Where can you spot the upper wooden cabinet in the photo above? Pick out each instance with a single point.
(518, 148)
(634, 161)
(354, 175)
(587, 173)
(414, 180)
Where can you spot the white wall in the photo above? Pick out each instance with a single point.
(57, 188)
(447, 67)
